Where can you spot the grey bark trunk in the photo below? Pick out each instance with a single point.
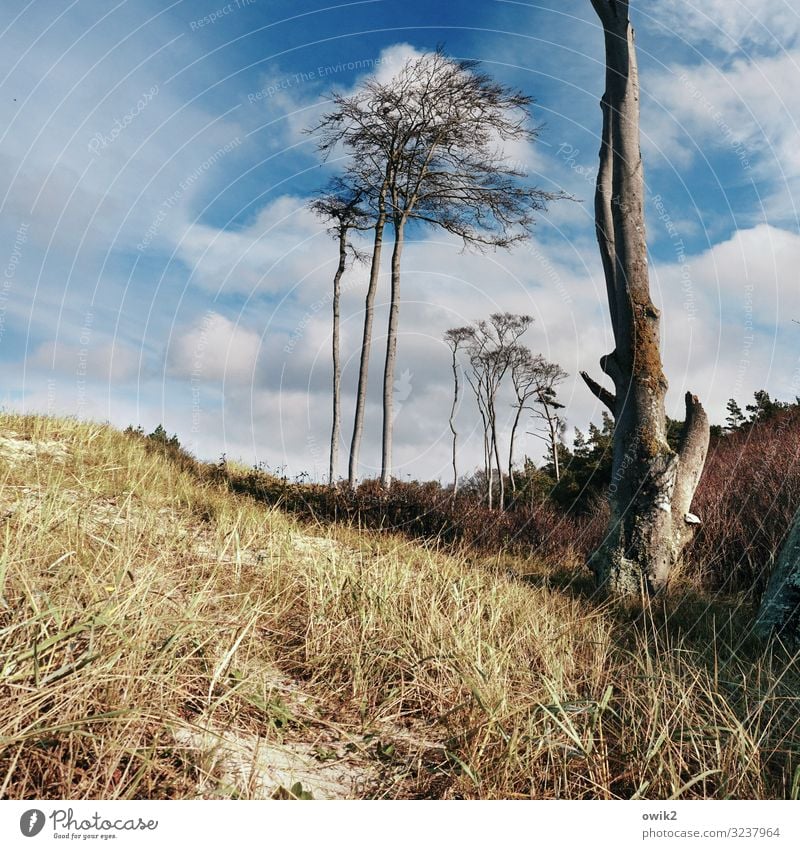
(779, 614)
(452, 420)
(514, 427)
(652, 486)
(553, 425)
(366, 342)
(391, 356)
(501, 494)
(337, 368)
(487, 459)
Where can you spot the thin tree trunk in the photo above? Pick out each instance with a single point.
(452, 419)
(496, 450)
(779, 614)
(552, 433)
(652, 487)
(511, 449)
(487, 459)
(477, 388)
(337, 368)
(366, 343)
(391, 355)
(554, 446)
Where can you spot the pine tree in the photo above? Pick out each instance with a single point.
(735, 418)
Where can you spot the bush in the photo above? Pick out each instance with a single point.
(167, 446)
(429, 511)
(746, 499)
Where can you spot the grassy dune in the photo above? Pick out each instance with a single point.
(162, 637)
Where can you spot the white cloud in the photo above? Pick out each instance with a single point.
(258, 386)
(214, 349)
(720, 339)
(727, 319)
(269, 255)
(728, 25)
(92, 165)
(718, 342)
(741, 119)
(105, 362)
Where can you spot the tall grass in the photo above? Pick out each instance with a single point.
(140, 597)
(747, 498)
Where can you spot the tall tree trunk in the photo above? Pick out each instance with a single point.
(514, 427)
(366, 342)
(487, 460)
(779, 614)
(553, 424)
(453, 417)
(501, 495)
(552, 432)
(391, 354)
(337, 368)
(651, 485)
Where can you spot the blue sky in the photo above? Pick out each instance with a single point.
(160, 266)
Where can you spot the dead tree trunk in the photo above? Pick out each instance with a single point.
(452, 420)
(455, 338)
(779, 614)
(651, 486)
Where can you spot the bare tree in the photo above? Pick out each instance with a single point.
(547, 377)
(341, 206)
(652, 486)
(350, 124)
(523, 379)
(454, 339)
(429, 145)
(479, 381)
(492, 349)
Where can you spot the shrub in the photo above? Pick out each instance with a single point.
(746, 499)
(429, 511)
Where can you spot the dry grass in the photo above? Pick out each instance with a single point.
(143, 605)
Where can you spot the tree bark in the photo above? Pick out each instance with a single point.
(501, 494)
(511, 440)
(391, 354)
(452, 418)
(337, 368)
(779, 614)
(487, 461)
(366, 342)
(652, 486)
(553, 425)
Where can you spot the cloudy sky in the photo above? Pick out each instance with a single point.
(160, 266)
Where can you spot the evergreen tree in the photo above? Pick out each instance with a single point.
(735, 418)
(764, 407)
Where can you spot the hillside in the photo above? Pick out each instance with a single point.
(164, 637)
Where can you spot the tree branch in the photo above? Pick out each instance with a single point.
(604, 218)
(608, 398)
